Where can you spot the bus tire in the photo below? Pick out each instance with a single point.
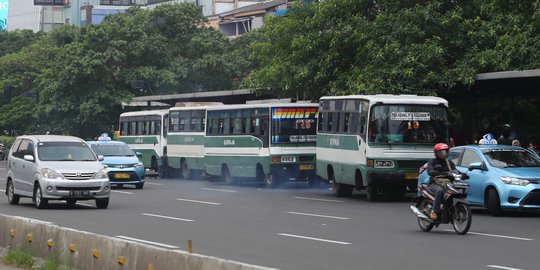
(371, 193)
(153, 164)
(259, 173)
(341, 190)
(271, 181)
(164, 171)
(226, 175)
(184, 170)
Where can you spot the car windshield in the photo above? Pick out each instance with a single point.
(294, 125)
(65, 151)
(112, 150)
(506, 158)
(408, 124)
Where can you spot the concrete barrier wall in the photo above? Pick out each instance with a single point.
(84, 250)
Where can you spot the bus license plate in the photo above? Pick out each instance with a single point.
(121, 175)
(304, 167)
(288, 159)
(411, 176)
(79, 193)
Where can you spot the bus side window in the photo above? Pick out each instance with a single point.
(165, 123)
(346, 120)
(264, 130)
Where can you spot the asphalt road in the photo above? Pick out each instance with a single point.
(294, 227)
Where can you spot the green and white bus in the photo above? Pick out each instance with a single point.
(378, 142)
(146, 132)
(272, 142)
(185, 141)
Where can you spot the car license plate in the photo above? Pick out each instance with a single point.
(411, 176)
(121, 175)
(79, 193)
(307, 167)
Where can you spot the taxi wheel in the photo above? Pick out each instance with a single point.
(494, 203)
(139, 186)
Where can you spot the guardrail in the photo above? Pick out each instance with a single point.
(84, 250)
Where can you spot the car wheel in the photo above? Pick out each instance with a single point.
(71, 201)
(494, 203)
(102, 203)
(139, 186)
(39, 201)
(12, 197)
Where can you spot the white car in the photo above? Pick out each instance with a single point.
(53, 167)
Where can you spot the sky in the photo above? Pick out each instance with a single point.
(3, 13)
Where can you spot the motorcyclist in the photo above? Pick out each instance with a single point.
(438, 167)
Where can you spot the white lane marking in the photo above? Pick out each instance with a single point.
(146, 242)
(503, 267)
(496, 235)
(155, 184)
(85, 204)
(123, 192)
(315, 239)
(3, 169)
(2, 190)
(316, 199)
(316, 215)
(222, 190)
(167, 217)
(203, 202)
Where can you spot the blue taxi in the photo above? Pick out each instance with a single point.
(501, 177)
(123, 165)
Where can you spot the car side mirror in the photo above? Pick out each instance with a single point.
(29, 158)
(100, 157)
(138, 154)
(476, 166)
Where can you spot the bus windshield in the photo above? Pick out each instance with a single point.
(408, 124)
(294, 125)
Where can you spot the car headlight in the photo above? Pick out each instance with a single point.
(514, 181)
(139, 165)
(51, 174)
(101, 174)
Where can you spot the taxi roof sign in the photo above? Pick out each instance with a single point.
(104, 137)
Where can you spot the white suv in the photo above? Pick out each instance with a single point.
(52, 167)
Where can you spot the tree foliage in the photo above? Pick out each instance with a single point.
(393, 46)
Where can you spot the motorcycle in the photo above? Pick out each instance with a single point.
(455, 207)
(2, 154)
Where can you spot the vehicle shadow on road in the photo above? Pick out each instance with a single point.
(507, 214)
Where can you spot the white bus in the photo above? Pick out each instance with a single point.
(378, 142)
(146, 132)
(271, 142)
(185, 141)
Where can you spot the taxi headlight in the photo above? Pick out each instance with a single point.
(514, 181)
(101, 174)
(51, 174)
(139, 165)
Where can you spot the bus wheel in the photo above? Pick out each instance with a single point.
(314, 182)
(185, 173)
(154, 165)
(341, 190)
(271, 181)
(371, 192)
(259, 173)
(226, 175)
(163, 171)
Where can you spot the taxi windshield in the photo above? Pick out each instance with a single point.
(507, 158)
(112, 150)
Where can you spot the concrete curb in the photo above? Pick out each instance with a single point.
(84, 250)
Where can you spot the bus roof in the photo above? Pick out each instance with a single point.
(195, 107)
(261, 105)
(393, 99)
(140, 113)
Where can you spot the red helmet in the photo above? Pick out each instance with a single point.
(439, 147)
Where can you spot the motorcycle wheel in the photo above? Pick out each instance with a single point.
(425, 207)
(462, 218)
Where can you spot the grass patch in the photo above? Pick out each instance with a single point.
(19, 258)
(25, 260)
